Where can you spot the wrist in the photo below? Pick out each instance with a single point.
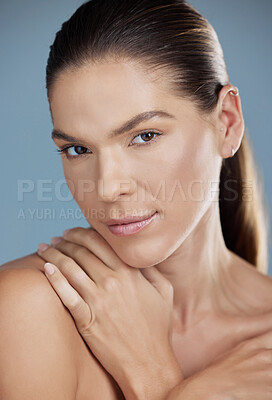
(196, 388)
(153, 381)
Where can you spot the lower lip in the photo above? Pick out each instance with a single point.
(133, 227)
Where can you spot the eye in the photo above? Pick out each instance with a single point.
(79, 150)
(149, 135)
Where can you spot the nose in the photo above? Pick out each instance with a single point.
(113, 179)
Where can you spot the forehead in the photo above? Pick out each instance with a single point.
(107, 93)
(107, 80)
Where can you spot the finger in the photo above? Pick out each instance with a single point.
(75, 275)
(92, 240)
(263, 341)
(78, 308)
(162, 284)
(92, 265)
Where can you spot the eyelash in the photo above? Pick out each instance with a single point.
(64, 149)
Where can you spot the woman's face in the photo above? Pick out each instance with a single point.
(173, 171)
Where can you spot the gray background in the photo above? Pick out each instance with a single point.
(27, 28)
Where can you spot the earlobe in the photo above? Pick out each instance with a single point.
(227, 151)
(232, 151)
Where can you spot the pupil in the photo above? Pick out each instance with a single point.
(148, 133)
(78, 149)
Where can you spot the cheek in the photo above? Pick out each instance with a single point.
(71, 179)
(80, 184)
(186, 198)
(180, 182)
(183, 180)
(178, 186)
(190, 182)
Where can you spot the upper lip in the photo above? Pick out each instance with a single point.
(127, 220)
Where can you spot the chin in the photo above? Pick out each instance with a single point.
(141, 260)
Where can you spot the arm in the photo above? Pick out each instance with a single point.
(155, 382)
(130, 334)
(34, 361)
(186, 390)
(244, 372)
(168, 384)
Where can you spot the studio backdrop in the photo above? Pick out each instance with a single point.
(35, 201)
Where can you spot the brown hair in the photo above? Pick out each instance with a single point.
(172, 36)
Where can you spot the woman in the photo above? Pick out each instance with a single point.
(149, 127)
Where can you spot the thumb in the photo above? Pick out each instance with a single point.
(163, 285)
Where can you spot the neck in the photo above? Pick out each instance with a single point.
(198, 270)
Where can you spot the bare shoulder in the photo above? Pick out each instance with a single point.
(28, 302)
(252, 300)
(33, 346)
(30, 261)
(254, 286)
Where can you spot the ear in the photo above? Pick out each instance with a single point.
(231, 121)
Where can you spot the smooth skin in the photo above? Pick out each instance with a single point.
(113, 293)
(213, 308)
(42, 355)
(35, 335)
(144, 364)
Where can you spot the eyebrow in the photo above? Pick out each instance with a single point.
(127, 126)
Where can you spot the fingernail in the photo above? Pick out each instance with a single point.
(64, 233)
(42, 247)
(55, 240)
(49, 268)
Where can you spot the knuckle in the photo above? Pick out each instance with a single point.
(128, 272)
(80, 277)
(99, 304)
(110, 282)
(92, 233)
(71, 233)
(67, 264)
(76, 230)
(94, 236)
(80, 251)
(76, 305)
(87, 327)
(75, 233)
(84, 317)
(80, 232)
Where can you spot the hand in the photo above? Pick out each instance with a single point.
(243, 373)
(124, 314)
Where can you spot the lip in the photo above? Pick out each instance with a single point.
(126, 220)
(131, 228)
